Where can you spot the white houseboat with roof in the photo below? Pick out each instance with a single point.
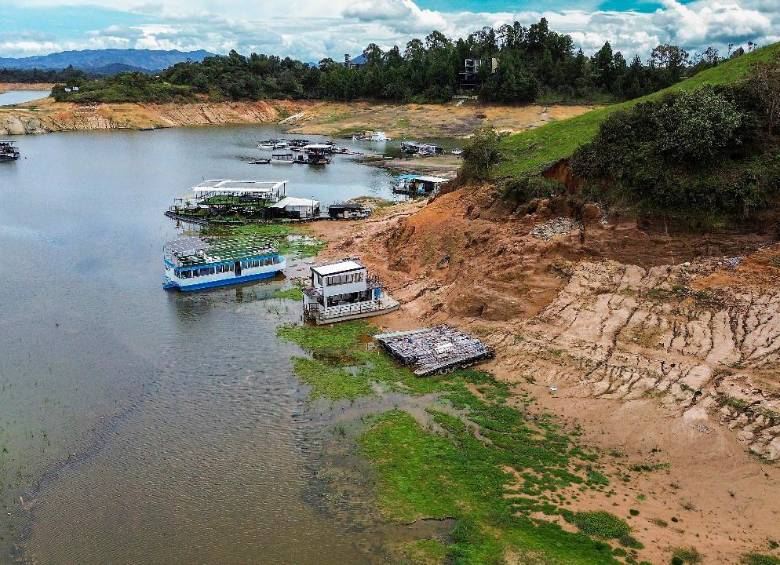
(198, 263)
(344, 291)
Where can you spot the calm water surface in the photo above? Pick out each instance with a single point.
(138, 426)
(20, 96)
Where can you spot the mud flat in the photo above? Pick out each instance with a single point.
(663, 350)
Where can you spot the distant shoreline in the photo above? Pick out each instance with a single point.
(8, 86)
(334, 119)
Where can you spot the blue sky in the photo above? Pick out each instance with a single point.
(311, 29)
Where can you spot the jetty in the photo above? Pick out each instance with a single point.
(439, 349)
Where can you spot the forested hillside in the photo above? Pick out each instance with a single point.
(532, 64)
(705, 152)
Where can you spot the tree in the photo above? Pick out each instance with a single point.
(671, 59)
(764, 85)
(480, 154)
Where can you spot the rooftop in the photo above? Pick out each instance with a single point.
(293, 201)
(340, 267)
(426, 178)
(190, 251)
(238, 186)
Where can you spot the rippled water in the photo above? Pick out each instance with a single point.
(20, 96)
(138, 425)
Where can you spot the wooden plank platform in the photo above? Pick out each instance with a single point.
(434, 350)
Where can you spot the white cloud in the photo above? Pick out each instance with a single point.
(322, 28)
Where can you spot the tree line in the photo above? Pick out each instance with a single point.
(534, 64)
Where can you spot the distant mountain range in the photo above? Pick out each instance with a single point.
(106, 61)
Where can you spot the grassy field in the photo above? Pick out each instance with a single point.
(532, 151)
(491, 467)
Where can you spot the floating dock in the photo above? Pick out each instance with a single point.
(433, 350)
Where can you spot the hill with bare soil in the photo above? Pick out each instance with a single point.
(663, 349)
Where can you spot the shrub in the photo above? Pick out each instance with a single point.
(686, 555)
(600, 524)
(760, 559)
(480, 154)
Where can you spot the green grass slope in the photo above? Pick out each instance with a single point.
(531, 151)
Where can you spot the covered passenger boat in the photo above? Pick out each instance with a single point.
(198, 263)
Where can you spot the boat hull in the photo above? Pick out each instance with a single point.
(173, 285)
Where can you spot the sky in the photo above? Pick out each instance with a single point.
(313, 29)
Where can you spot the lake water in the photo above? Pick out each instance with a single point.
(139, 426)
(20, 96)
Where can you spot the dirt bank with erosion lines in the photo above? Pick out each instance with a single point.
(326, 118)
(665, 350)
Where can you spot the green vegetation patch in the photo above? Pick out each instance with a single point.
(292, 293)
(683, 555)
(425, 475)
(455, 464)
(425, 552)
(288, 239)
(760, 559)
(599, 524)
(330, 382)
(530, 152)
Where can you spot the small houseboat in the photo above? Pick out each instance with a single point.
(8, 150)
(348, 211)
(344, 291)
(421, 149)
(418, 185)
(293, 208)
(282, 158)
(318, 153)
(195, 263)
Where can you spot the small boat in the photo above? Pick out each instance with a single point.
(260, 161)
(8, 150)
(282, 158)
(198, 263)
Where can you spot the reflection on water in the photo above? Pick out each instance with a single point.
(20, 96)
(138, 425)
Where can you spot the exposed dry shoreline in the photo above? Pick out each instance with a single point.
(311, 117)
(6, 86)
(665, 355)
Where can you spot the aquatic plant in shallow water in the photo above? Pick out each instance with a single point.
(488, 465)
(287, 238)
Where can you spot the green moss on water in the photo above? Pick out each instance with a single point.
(425, 552)
(456, 467)
(289, 239)
(329, 382)
(425, 475)
(292, 293)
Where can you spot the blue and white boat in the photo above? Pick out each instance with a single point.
(198, 263)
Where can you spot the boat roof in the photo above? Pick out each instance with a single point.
(191, 251)
(318, 146)
(293, 201)
(238, 186)
(340, 267)
(347, 205)
(426, 178)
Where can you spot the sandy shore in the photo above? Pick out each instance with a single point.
(640, 365)
(311, 117)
